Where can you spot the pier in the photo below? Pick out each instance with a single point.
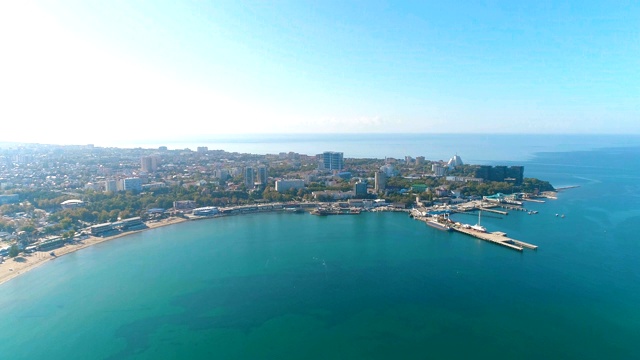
(493, 211)
(497, 237)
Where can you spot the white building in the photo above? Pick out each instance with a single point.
(455, 161)
(438, 170)
(131, 184)
(71, 204)
(286, 185)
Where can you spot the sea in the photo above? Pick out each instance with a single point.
(371, 286)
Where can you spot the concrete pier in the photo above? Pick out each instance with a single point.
(497, 237)
(493, 211)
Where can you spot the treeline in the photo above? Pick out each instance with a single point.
(529, 185)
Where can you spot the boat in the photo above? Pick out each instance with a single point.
(320, 212)
(478, 227)
(437, 225)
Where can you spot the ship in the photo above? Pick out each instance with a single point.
(436, 225)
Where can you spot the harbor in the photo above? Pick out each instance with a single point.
(443, 222)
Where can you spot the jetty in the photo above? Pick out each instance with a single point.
(496, 237)
(476, 231)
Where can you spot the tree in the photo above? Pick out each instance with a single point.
(14, 251)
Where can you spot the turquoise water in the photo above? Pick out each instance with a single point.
(373, 286)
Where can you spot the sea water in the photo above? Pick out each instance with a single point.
(372, 286)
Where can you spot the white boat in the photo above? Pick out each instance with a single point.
(478, 227)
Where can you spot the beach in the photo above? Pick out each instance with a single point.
(14, 267)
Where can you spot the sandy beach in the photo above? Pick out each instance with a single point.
(13, 267)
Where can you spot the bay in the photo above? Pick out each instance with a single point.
(374, 286)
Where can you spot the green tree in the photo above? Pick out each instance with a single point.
(14, 251)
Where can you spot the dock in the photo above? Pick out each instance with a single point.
(497, 237)
(493, 211)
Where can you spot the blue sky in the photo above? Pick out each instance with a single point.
(166, 69)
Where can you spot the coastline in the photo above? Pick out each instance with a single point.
(12, 267)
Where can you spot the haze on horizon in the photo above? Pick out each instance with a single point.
(109, 72)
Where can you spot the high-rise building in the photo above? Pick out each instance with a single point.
(332, 160)
(380, 181)
(110, 186)
(262, 175)
(438, 170)
(132, 184)
(514, 174)
(149, 164)
(202, 149)
(420, 160)
(360, 188)
(249, 177)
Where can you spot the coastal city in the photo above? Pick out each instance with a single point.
(57, 199)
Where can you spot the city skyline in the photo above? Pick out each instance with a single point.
(82, 72)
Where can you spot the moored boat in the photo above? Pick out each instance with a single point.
(436, 225)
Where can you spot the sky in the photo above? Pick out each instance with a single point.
(104, 72)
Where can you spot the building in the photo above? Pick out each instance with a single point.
(184, 204)
(286, 185)
(360, 189)
(325, 195)
(100, 228)
(455, 161)
(420, 160)
(132, 184)
(332, 160)
(110, 186)
(441, 191)
(249, 177)
(380, 181)
(149, 164)
(262, 175)
(222, 174)
(438, 170)
(202, 149)
(72, 204)
(129, 224)
(206, 211)
(512, 174)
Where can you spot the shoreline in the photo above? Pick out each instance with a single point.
(12, 267)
